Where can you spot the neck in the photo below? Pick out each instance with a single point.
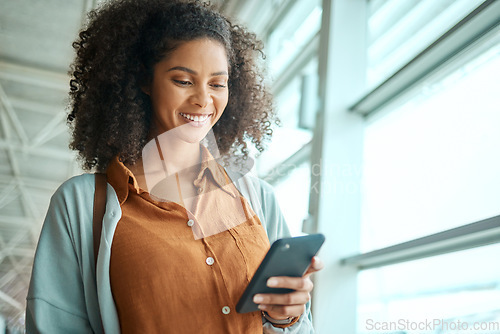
(179, 156)
(176, 156)
(176, 150)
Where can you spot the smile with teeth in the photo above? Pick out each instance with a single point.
(200, 118)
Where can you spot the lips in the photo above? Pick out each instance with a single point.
(196, 120)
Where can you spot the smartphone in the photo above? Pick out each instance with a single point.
(286, 257)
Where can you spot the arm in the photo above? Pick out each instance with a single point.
(274, 304)
(58, 300)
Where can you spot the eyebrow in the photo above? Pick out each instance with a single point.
(188, 70)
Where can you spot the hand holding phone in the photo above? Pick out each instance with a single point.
(286, 307)
(288, 257)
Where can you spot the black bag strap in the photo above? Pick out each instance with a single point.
(99, 209)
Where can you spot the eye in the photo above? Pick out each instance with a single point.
(218, 84)
(182, 82)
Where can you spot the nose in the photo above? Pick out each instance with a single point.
(201, 97)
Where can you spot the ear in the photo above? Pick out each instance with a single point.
(146, 90)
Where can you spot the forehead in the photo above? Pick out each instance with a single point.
(199, 54)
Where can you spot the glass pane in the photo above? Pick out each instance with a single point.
(293, 33)
(294, 107)
(433, 295)
(399, 30)
(293, 196)
(433, 164)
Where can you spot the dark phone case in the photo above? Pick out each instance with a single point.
(286, 257)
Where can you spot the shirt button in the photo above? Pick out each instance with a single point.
(200, 190)
(210, 260)
(226, 310)
(190, 222)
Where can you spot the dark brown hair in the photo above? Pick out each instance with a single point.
(115, 55)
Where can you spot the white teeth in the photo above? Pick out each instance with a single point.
(196, 118)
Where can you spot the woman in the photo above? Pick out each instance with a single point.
(159, 89)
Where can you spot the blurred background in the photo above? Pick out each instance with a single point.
(389, 145)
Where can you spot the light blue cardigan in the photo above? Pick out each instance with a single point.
(63, 296)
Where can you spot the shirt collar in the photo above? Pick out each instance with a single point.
(210, 165)
(119, 176)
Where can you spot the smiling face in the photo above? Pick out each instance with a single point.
(189, 89)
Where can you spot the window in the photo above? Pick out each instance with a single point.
(430, 163)
(418, 242)
(291, 46)
(296, 109)
(399, 30)
(292, 34)
(438, 292)
(293, 195)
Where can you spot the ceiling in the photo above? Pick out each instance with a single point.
(35, 53)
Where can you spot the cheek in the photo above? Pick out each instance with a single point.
(220, 105)
(222, 101)
(165, 100)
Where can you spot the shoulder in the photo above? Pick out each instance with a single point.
(264, 190)
(253, 182)
(76, 191)
(69, 215)
(263, 185)
(79, 183)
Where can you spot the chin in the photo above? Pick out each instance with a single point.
(192, 136)
(186, 133)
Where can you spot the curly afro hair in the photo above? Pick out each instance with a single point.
(115, 56)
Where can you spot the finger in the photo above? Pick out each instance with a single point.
(292, 298)
(294, 283)
(276, 311)
(316, 265)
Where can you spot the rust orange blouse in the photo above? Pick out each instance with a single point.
(164, 279)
